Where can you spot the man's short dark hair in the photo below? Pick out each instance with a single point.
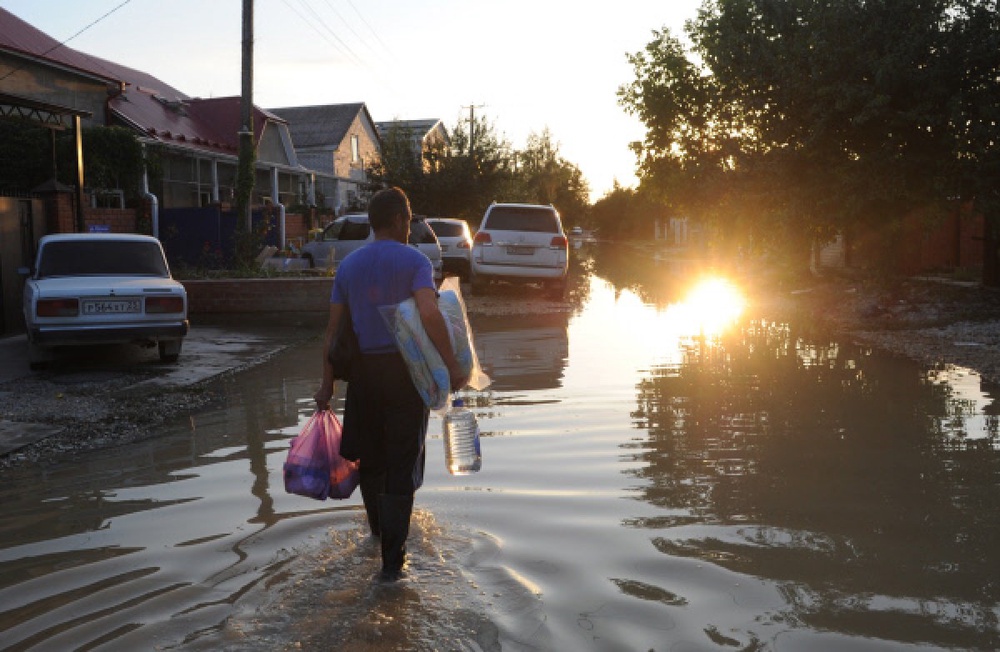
(385, 206)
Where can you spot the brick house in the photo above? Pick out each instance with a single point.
(339, 141)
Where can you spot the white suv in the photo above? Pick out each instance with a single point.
(520, 242)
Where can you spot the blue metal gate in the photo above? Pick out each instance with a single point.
(205, 238)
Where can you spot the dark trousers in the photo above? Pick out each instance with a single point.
(385, 423)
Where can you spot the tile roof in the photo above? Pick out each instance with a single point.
(323, 125)
(22, 38)
(421, 127)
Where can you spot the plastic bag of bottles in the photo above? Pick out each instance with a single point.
(314, 467)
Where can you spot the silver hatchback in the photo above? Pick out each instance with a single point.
(352, 231)
(520, 242)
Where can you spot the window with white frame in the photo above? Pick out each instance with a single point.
(355, 149)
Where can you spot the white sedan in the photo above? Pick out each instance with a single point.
(102, 288)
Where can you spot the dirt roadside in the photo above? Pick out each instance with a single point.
(929, 320)
(932, 320)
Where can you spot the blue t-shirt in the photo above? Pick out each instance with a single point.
(383, 272)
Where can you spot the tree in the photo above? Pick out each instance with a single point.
(26, 156)
(797, 118)
(975, 118)
(623, 213)
(543, 176)
(398, 164)
(460, 180)
(113, 158)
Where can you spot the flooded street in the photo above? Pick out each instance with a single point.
(658, 474)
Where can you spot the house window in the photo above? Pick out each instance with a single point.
(355, 149)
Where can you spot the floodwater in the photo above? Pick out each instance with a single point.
(658, 474)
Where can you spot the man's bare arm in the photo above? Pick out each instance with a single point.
(325, 391)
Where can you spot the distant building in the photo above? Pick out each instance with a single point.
(339, 140)
(425, 136)
(675, 232)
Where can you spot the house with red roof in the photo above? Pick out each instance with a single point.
(196, 139)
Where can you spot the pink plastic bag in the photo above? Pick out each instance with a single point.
(314, 467)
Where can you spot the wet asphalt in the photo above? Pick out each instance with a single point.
(215, 345)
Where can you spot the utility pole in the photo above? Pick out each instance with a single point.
(247, 157)
(472, 129)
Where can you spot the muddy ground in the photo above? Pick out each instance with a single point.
(929, 320)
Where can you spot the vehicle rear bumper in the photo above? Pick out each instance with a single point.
(518, 272)
(110, 334)
(455, 263)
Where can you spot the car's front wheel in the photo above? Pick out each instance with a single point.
(169, 350)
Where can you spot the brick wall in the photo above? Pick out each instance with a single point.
(259, 295)
(61, 218)
(296, 226)
(117, 220)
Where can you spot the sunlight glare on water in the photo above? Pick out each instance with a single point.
(712, 305)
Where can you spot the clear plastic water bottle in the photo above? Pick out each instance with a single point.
(462, 454)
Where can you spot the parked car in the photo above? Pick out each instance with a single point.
(521, 243)
(576, 230)
(455, 238)
(102, 288)
(352, 231)
(422, 237)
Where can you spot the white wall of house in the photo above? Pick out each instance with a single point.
(829, 255)
(675, 232)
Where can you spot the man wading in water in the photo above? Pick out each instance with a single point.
(385, 420)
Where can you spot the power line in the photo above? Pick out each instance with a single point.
(374, 33)
(312, 24)
(360, 38)
(67, 40)
(86, 28)
(333, 39)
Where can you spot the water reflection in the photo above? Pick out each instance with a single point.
(523, 352)
(969, 421)
(832, 470)
(168, 526)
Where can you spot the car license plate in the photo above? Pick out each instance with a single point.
(515, 250)
(112, 306)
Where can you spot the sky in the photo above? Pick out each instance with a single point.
(524, 65)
